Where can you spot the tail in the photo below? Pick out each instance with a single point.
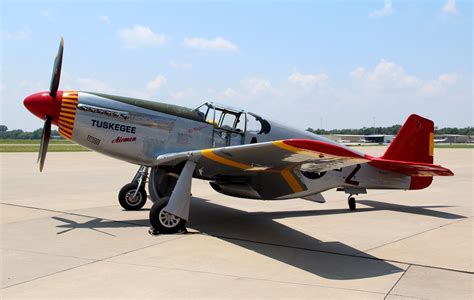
(414, 142)
(411, 153)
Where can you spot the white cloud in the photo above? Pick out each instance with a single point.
(21, 34)
(256, 85)
(46, 12)
(93, 85)
(156, 83)
(216, 44)
(438, 86)
(385, 74)
(186, 95)
(104, 19)
(388, 76)
(229, 93)
(450, 8)
(138, 36)
(308, 80)
(387, 9)
(180, 66)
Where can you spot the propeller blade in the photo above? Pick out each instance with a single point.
(44, 142)
(58, 61)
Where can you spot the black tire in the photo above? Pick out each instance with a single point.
(352, 203)
(125, 197)
(164, 222)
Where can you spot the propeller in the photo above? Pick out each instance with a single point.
(55, 77)
(58, 62)
(44, 142)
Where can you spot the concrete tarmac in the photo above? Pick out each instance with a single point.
(64, 235)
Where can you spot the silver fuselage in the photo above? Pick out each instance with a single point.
(139, 135)
(139, 131)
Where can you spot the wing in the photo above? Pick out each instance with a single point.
(270, 168)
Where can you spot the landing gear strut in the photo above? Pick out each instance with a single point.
(132, 196)
(170, 214)
(352, 191)
(352, 202)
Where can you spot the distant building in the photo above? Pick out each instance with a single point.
(361, 139)
(346, 138)
(452, 138)
(379, 138)
(387, 138)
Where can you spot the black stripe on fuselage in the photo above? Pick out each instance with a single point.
(170, 109)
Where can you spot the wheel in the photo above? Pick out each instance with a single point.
(352, 203)
(126, 199)
(164, 222)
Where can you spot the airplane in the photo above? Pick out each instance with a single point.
(240, 153)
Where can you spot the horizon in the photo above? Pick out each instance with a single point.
(330, 65)
(307, 129)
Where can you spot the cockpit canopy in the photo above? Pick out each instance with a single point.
(232, 119)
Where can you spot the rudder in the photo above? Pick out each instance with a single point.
(414, 142)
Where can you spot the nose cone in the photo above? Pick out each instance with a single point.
(42, 105)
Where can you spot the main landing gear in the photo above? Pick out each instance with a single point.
(170, 210)
(352, 202)
(170, 192)
(132, 196)
(164, 222)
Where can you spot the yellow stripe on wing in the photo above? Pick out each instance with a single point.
(287, 173)
(209, 153)
(291, 180)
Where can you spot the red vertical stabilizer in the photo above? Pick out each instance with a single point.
(414, 142)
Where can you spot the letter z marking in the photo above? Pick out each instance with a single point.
(351, 175)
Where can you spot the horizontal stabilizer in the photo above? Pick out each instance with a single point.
(410, 168)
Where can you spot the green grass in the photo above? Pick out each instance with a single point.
(35, 148)
(23, 142)
(11, 145)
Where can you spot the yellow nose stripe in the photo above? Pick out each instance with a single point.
(67, 114)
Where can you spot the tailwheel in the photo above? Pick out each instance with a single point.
(352, 203)
(131, 197)
(164, 222)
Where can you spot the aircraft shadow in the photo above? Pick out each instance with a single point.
(261, 233)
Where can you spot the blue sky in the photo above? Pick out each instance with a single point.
(339, 62)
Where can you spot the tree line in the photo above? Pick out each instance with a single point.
(392, 130)
(18, 134)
